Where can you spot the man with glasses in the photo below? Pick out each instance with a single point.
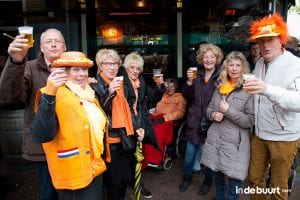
(19, 82)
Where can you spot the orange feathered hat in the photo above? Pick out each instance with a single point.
(269, 26)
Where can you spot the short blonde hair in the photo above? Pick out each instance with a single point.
(209, 47)
(134, 57)
(234, 55)
(103, 54)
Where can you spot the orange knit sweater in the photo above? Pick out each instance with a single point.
(68, 155)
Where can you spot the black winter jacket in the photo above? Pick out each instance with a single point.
(198, 96)
(142, 119)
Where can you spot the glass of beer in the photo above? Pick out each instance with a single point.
(248, 77)
(194, 71)
(28, 32)
(156, 75)
(120, 79)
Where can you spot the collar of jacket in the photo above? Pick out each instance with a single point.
(101, 86)
(41, 62)
(215, 73)
(129, 91)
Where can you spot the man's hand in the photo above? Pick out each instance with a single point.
(18, 48)
(254, 86)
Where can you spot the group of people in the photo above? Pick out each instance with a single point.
(82, 132)
(74, 126)
(224, 108)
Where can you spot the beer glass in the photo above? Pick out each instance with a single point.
(156, 75)
(121, 79)
(248, 77)
(28, 32)
(194, 71)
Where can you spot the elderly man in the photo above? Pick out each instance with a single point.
(19, 82)
(277, 108)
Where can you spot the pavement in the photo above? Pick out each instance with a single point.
(18, 181)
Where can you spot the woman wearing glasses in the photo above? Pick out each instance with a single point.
(110, 93)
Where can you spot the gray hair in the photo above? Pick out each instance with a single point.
(52, 30)
(103, 54)
(134, 57)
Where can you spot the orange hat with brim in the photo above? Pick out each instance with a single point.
(72, 59)
(269, 26)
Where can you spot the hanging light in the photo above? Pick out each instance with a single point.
(179, 4)
(82, 4)
(112, 32)
(140, 3)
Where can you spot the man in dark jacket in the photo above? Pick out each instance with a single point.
(19, 82)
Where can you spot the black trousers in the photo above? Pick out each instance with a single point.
(94, 191)
(118, 175)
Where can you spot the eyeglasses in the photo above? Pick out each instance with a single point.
(51, 41)
(111, 64)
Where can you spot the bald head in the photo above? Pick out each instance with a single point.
(52, 44)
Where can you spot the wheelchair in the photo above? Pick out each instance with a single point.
(181, 140)
(173, 145)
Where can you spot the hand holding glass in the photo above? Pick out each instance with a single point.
(194, 71)
(248, 77)
(156, 75)
(27, 31)
(120, 79)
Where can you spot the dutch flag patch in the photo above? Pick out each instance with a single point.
(68, 152)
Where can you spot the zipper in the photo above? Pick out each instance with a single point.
(256, 115)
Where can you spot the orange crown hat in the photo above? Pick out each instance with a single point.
(269, 26)
(72, 59)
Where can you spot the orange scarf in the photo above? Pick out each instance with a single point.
(226, 88)
(121, 116)
(135, 84)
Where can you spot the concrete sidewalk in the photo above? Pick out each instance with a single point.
(164, 185)
(18, 181)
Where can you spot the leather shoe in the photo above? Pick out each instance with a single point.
(204, 190)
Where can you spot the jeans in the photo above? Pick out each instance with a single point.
(190, 155)
(222, 189)
(197, 166)
(47, 191)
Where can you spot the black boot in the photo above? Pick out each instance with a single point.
(185, 183)
(204, 189)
